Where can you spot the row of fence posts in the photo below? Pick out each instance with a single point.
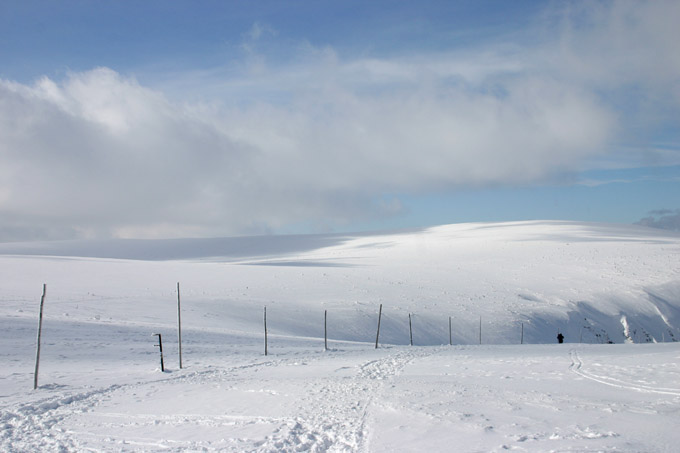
(266, 339)
(377, 335)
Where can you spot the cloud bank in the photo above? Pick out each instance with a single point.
(664, 218)
(325, 139)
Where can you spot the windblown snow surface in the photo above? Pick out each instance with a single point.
(101, 387)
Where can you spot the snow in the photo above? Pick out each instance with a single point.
(101, 388)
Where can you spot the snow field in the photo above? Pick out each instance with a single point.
(353, 398)
(101, 388)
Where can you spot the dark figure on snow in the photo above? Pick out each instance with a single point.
(560, 338)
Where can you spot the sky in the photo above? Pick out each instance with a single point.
(164, 119)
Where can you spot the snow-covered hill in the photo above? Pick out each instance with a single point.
(595, 283)
(101, 388)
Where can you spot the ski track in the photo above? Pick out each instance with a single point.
(577, 366)
(36, 426)
(334, 415)
(338, 418)
(335, 412)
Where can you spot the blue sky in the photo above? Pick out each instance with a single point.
(212, 118)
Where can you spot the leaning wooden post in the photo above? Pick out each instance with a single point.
(37, 353)
(325, 330)
(377, 336)
(410, 329)
(266, 352)
(179, 327)
(450, 338)
(160, 348)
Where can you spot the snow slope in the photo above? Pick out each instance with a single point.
(595, 283)
(102, 389)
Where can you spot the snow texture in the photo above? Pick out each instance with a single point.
(101, 388)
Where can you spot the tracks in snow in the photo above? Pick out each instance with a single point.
(41, 425)
(336, 411)
(34, 426)
(333, 414)
(577, 366)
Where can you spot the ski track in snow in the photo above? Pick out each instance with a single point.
(335, 413)
(30, 426)
(577, 366)
(340, 415)
(36, 426)
(338, 408)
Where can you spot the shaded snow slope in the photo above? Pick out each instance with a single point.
(594, 283)
(175, 249)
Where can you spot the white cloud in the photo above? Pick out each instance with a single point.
(320, 139)
(100, 152)
(620, 42)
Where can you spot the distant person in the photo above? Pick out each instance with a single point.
(560, 338)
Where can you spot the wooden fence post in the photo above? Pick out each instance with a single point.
(37, 353)
(160, 347)
(179, 327)
(377, 336)
(410, 329)
(325, 330)
(450, 337)
(266, 352)
(480, 330)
